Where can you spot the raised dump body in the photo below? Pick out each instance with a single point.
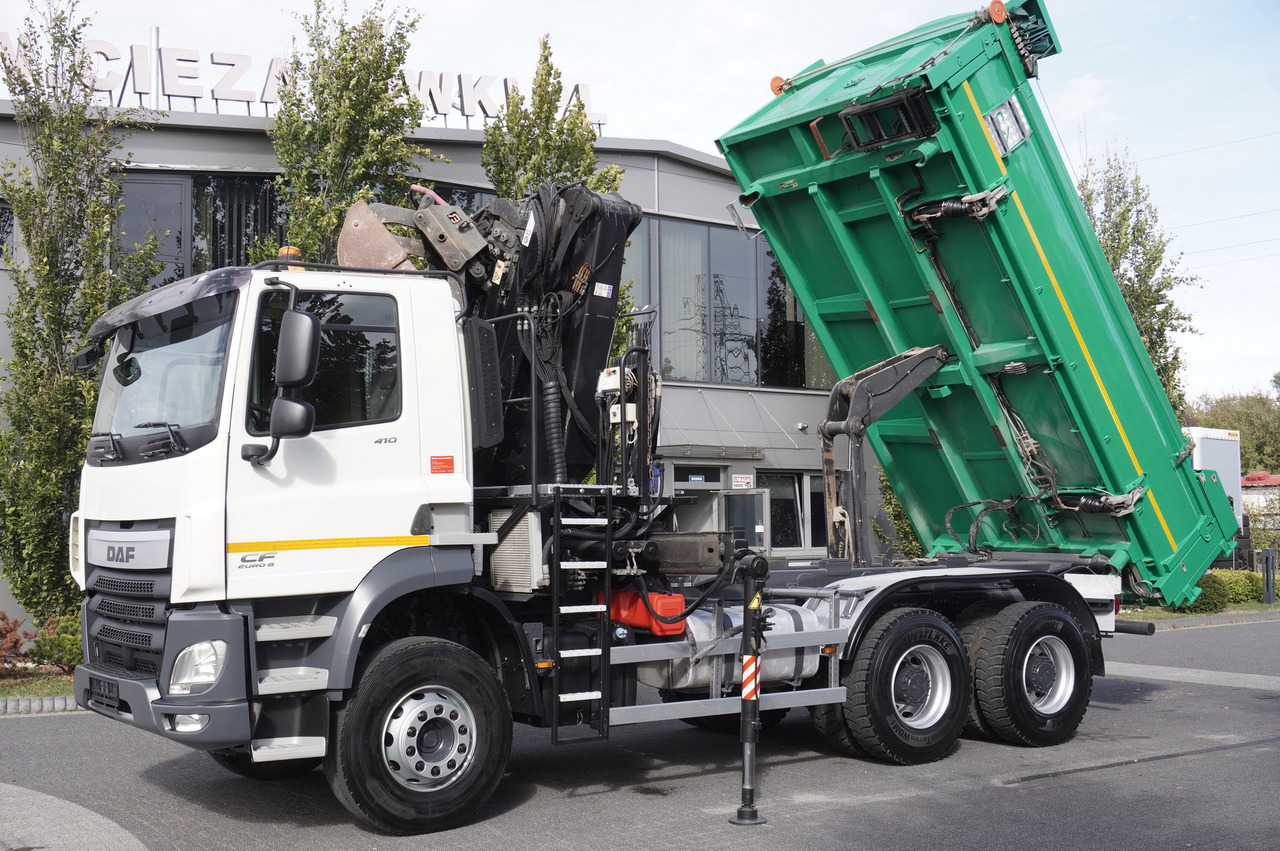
(914, 197)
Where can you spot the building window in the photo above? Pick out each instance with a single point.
(159, 205)
(784, 508)
(638, 264)
(231, 214)
(795, 509)
(790, 355)
(745, 511)
(683, 318)
(201, 221)
(358, 378)
(735, 350)
(717, 292)
(6, 227)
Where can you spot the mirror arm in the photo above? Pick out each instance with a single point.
(259, 455)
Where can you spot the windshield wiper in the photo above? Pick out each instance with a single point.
(113, 452)
(175, 442)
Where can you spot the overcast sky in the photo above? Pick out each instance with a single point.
(1191, 89)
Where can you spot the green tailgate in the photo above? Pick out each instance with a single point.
(914, 197)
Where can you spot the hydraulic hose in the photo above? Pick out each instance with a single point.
(554, 429)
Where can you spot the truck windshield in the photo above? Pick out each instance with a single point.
(163, 375)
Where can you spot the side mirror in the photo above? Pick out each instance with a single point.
(291, 418)
(298, 354)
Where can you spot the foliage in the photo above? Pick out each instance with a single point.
(66, 197)
(526, 146)
(1243, 586)
(901, 535)
(1120, 210)
(1213, 598)
(339, 134)
(13, 642)
(1255, 415)
(1264, 523)
(59, 644)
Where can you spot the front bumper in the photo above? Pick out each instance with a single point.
(139, 702)
(135, 697)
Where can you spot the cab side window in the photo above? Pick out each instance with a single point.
(358, 380)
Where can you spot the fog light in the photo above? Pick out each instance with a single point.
(198, 667)
(189, 723)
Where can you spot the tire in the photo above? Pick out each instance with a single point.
(1033, 680)
(829, 723)
(423, 741)
(283, 769)
(972, 624)
(908, 688)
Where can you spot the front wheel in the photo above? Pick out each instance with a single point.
(1032, 675)
(908, 688)
(423, 742)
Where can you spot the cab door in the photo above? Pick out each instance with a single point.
(327, 507)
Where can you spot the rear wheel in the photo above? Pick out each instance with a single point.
(1032, 677)
(907, 690)
(423, 742)
(972, 624)
(282, 769)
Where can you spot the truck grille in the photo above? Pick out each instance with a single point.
(128, 602)
(132, 587)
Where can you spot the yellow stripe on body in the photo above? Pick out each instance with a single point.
(1062, 299)
(329, 544)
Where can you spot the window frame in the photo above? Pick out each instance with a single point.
(262, 362)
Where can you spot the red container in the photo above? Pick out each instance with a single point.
(628, 608)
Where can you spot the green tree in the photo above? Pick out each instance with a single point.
(1122, 213)
(527, 145)
(339, 134)
(66, 195)
(1264, 522)
(1255, 415)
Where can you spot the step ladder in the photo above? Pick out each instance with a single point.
(586, 703)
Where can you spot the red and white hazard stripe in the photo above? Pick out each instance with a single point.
(750, 677)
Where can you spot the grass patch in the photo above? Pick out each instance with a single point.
(35, 682)
(1158, 613)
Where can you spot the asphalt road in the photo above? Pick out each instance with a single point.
(1180, 749)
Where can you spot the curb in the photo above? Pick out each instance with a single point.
(1215, 620)
(35, 705)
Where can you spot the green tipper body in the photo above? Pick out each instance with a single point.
(914, 197)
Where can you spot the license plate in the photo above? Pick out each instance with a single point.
(104, 692)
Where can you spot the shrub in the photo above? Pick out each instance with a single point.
(1243, 586)
(13, 641)
(59, 644)
(1213, 598)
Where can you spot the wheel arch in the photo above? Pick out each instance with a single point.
(949, 594)
(390, 603)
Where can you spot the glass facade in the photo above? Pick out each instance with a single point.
(201, 221)
(6, 226)
(230, 214)
(725, 313)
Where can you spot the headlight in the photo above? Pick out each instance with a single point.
(198, 667)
